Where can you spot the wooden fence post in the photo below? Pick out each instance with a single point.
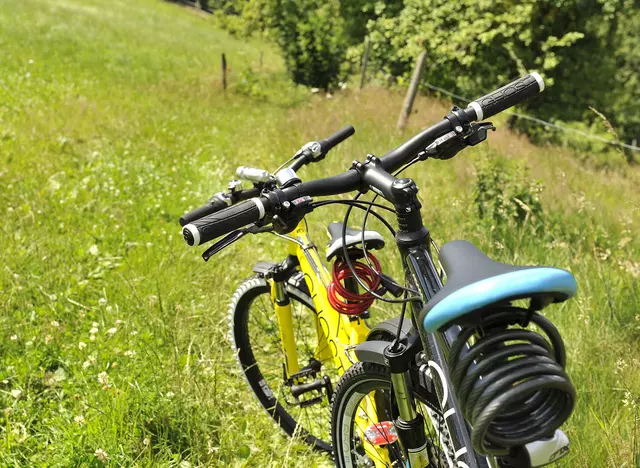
(411, 92)
(224, 73)
(365, 61)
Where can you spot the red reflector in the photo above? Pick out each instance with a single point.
(381, 433)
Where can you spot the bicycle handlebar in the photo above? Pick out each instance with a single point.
(216, 204)
(260, 176)
(236, 217)
(514, 93)
(328, 143)
(214, 225)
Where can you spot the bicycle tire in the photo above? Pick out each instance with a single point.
(276, 407)
(357, 382)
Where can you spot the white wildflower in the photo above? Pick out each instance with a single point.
(94, 330)
(170, 394)
(146, 441)
(79, 420)
(102, 301)
(101, 455)
(103, 378)
(14, 337)
(92, 360)
(93, 250)
(129, 353)
(15, 393)
(55, 323)
(82, 345)
(112, 331)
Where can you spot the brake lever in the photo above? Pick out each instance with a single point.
(222, 243)
(479, 132)
(233, 236)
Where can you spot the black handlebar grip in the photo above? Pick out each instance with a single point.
(213, 206)
(514, 93)
(336, 138)
(215, 225)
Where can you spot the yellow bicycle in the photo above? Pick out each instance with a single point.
(290, 341)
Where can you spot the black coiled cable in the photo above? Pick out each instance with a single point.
(510, 382)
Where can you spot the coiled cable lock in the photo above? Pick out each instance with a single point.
(510, 382)
(348, 302)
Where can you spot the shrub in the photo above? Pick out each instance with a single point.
(251, 84)
(505, 195)
(311, 36)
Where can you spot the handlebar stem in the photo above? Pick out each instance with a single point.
(403, 193)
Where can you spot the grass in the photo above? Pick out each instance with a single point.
(113, 334)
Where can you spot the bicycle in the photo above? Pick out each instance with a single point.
(478, 377)
(295, 291)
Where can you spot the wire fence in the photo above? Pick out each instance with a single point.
(540, 121)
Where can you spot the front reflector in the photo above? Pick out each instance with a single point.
(382, 433)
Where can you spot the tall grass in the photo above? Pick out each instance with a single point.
(113, 334)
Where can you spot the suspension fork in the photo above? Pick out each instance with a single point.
(409, 424)
(284, 316)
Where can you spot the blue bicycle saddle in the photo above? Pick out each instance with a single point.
(474, 282)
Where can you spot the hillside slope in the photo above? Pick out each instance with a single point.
(113, 334)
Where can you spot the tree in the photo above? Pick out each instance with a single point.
(311, 36)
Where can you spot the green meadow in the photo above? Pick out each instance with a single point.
(114, 347)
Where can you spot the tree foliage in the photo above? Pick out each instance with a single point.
(311, 36)
(587, 50)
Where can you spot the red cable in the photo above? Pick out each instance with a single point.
(347, 302)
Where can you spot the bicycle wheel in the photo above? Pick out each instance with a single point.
(366, 388)
(256, 341)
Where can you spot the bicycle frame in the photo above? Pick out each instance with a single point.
(337, 334)
(413, 240)
(422, 274)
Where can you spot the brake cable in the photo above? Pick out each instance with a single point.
(415, 298)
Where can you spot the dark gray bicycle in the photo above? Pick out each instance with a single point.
(476, 378)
